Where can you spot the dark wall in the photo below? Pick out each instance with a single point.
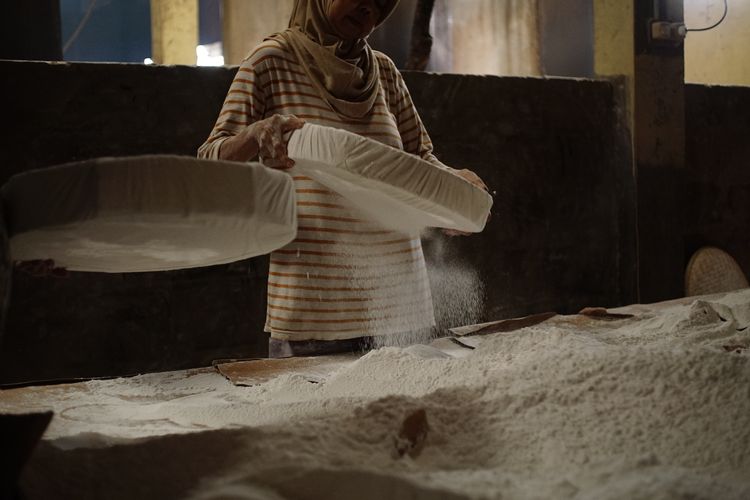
(98, 324)
(566, 31)
(394, 36)
(717, 159)
(31, 30)
(554, 151)
(65, 112)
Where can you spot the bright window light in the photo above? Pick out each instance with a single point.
(210, 54)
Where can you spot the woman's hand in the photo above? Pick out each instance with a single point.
(472, 177)
(41, 268)
(272, 145)
(477, 181)
(264, 139)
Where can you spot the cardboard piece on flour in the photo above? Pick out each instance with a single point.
(258, 371)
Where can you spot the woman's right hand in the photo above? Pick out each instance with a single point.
(265, 139)
(272, 144)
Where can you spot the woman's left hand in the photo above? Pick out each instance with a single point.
(40, 268)
(472, 177)
(477, 181)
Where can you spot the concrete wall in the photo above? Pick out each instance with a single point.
(494, 37)
(561, 236)
(718, 56)
(245, 23)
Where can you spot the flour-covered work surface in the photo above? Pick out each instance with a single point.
(656, 405)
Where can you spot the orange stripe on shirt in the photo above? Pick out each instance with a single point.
(345, 309)
(318, 204)
(329, 218)
(271, 45)
(241, 102)
(340, 121)
(289, 82)
(345, 299)
(322, 311)
(323, 288)
(353, 243)
(287, 105)
(262, 74)
(320, 300)
(341, 231)
(337, 321)
(324, 265)
(340, 254)
(240, 113)
(275, 58)
(287, 93)
(326, 330)
(329, 277)
(243, 92)
(243, 80)
(337, 289)
(317, 191)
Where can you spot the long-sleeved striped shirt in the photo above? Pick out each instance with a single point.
(344, 276)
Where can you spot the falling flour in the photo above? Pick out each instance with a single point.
(656, 406)
(457, 289)
(457, 296)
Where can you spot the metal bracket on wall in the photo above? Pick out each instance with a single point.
(666, 33)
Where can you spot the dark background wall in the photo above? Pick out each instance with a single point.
(99, 324)
(555, 151)
(566, 30)
(31, 30)
(717, 161)
(556, 154)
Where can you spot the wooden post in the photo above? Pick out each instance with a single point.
(654, 76)
(421, 40)
(174, 31)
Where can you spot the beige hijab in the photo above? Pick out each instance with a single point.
(345, 72)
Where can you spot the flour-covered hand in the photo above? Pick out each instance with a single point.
(40, 268)
(272, 141)
(472, 177)
(477, 181)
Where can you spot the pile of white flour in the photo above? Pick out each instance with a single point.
(652, 407)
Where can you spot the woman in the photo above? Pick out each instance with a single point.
(344, 278)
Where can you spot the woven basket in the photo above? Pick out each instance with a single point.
(712, 270)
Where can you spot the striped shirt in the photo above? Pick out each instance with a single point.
(344, 276)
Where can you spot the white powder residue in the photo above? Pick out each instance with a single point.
(457, 288)
(652, 407)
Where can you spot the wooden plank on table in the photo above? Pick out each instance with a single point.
(502, 326)
(258, 371)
